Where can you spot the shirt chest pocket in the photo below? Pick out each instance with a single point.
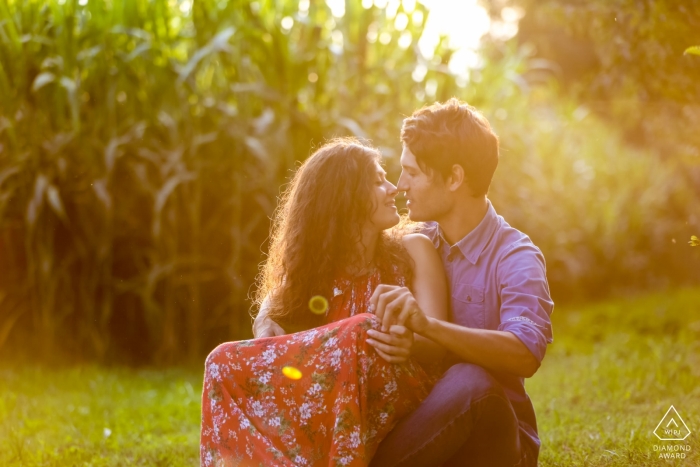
(468, 305)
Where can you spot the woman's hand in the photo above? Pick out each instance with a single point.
(394, 304)
(266, 327)
(394, 346)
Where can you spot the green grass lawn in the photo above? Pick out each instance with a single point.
(99, 417)
(612, 373)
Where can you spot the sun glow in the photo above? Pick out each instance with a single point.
(464, 22)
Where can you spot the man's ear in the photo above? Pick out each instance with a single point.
(456, 178)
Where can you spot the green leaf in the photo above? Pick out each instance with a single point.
(69, 84)
(36, 201)
(42, 79)
(54, 199)
(139, 50)
(694, 50)
(218, 44)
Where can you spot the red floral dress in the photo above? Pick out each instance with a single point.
(347, 399)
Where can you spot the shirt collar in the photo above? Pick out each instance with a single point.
(472, 245)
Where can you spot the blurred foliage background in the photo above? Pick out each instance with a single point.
(143, 145)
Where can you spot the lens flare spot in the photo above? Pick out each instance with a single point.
(291, 372)
(318, 304)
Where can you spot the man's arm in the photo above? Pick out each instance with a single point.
(526, 304)
(517, 347)
(495, 350)
(500, 351)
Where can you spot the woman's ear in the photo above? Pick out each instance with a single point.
(456, 178)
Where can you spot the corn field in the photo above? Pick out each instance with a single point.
(143, 145)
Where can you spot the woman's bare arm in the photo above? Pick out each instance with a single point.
(429, 286)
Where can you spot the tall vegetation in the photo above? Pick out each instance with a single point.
(693, 50)
(625, 60)
(143, 146)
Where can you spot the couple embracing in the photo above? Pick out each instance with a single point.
(380, 341)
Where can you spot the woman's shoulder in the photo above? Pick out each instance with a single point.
(416, 243)
(421, 250)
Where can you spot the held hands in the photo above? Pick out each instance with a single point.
(397, 305)
(401, 316)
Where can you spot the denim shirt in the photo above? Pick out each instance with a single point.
(497, 280)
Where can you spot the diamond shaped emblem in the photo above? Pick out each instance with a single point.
(672, 427)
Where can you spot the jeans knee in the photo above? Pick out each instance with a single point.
(472, 383)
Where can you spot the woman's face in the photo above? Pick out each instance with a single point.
(383, 196)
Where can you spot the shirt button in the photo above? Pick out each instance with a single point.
(469, 298)
(450, 258)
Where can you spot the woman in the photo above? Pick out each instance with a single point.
(328, 393)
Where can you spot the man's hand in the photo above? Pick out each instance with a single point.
(394, 346)
(266, 327)
(396, 305)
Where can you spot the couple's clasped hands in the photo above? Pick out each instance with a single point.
(400, 316)
(398, 312)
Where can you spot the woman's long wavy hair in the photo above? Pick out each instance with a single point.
(316, 233)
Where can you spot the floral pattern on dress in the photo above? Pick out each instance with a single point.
(346, 401)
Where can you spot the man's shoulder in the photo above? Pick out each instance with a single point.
(513, 241)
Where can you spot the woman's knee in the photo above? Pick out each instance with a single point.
(215, 359)
(365, 321)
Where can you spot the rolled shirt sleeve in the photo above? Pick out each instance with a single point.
(526, 304)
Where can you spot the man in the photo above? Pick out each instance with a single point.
(478, 413)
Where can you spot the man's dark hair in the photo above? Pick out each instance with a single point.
(443, 134)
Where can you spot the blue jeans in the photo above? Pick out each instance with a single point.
(466, 420)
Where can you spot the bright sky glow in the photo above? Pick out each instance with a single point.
(464, 22)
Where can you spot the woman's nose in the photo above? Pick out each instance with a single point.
(393, 191)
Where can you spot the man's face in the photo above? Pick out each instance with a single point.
(427, 198)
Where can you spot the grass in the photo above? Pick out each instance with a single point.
(99, 417)
(612, 373)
